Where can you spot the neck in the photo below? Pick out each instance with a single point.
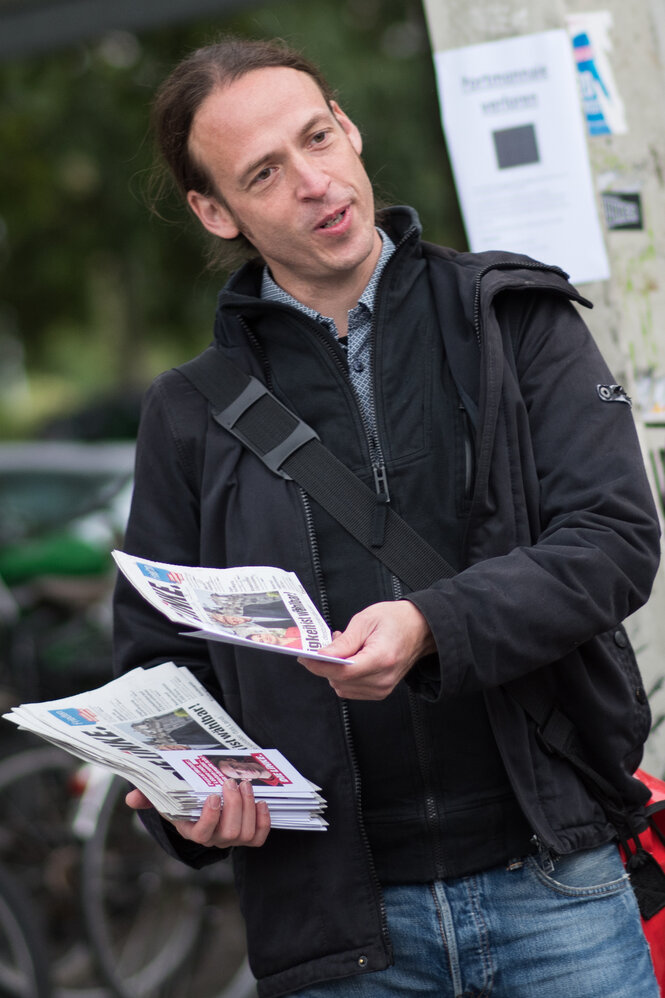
(336, 295)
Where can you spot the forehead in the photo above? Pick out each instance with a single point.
(253, 115)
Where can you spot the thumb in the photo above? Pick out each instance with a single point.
(137, 800)
(345, 643)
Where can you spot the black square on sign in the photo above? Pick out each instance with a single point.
(516, 146)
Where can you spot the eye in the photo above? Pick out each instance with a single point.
(263, 175)
(319, 137)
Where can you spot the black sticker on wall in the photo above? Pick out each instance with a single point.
(622, 211)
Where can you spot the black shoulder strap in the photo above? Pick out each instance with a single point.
(292, 449)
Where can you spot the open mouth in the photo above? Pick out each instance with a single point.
(334, 219)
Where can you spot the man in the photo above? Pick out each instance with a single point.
(461, 856)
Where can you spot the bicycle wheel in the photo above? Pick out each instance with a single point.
(217, 967)
(38, 793)
(149, 916)
(23, 959)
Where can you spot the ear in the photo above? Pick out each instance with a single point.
(212, 215)
(354, 136)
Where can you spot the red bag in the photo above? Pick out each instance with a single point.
(646, 865)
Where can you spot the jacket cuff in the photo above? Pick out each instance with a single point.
(425, 678)
(172, 842)
(439, 674)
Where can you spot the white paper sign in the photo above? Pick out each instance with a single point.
(515, 132)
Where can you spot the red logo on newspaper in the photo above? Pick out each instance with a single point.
(175, 577)
(278, 775)
(88, 714)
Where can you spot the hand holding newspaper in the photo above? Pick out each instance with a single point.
(161, 730)
(255, 606)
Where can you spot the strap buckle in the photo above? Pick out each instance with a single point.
(275, 457)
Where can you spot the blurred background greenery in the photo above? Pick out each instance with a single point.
(96, 294)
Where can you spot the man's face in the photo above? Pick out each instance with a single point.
(289, 171)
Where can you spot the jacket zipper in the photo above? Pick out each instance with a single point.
(314, 551)
(374, 450)
(431, 809)
(346, 727)
(379, 469)
(381, 487)
(325, 608)
(380, 482)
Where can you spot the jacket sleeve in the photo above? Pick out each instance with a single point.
(163, 526)
(595, 551)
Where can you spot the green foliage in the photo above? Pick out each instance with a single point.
(99, 294)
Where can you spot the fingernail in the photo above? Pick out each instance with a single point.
(246, 788)
(215, 801)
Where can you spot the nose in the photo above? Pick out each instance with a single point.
(312, 182)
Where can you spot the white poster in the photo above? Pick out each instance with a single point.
(515, 132)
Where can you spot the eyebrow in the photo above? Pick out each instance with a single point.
(255, 165)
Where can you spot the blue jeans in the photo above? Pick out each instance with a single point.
(567, 928)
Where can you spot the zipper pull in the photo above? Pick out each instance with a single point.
(381, 509)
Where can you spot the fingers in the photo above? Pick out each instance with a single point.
(137, 800)
(235, 820)
(384, 640)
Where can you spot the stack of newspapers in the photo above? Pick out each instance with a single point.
(162, 731)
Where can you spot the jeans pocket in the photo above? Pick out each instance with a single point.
(592, 872)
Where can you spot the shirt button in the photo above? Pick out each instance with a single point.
(362, 961)
(358, 366)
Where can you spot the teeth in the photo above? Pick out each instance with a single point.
(333, 221)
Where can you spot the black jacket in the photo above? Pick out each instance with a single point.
(562, 544)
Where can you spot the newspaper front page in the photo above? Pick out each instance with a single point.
(161, 730)
(256, 606)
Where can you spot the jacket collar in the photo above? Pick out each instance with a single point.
(241, 295)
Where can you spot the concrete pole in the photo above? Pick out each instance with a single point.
(628, 320)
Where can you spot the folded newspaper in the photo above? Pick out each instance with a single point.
(161, 730)
(256, 606)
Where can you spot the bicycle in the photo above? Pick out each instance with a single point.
(119, 915)
(38, 796)
(62, 509)
(158, 928)
(23, 962)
